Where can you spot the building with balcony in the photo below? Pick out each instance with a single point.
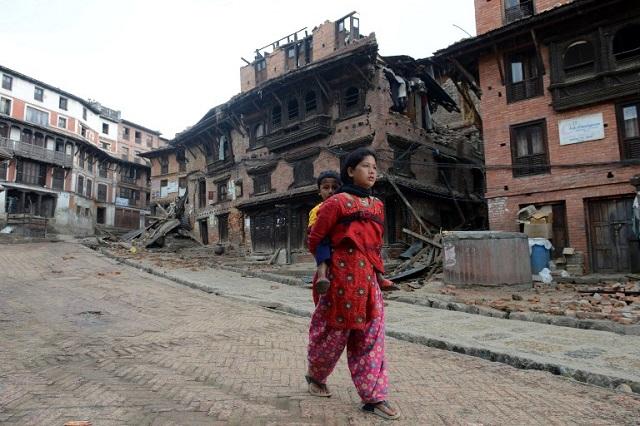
(560, 98)
(306, 101)
(59, 160)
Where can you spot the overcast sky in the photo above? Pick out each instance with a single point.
(164, 64)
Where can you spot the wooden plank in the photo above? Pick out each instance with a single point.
(467, 75)
(421, 237)
(500, 69)
(538, 53)
(409, 206)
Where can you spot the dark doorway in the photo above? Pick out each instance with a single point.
(101, 215)
(204, 231)
(610, 234)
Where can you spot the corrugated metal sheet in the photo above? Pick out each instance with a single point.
(487, 258)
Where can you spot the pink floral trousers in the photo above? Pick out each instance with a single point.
(365, 353)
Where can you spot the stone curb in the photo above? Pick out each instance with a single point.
(596, 379)
(434, 302)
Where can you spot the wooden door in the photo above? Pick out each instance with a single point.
(204, 231)
(610, 234)
(262, 233)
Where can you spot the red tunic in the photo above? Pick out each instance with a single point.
(355, 227)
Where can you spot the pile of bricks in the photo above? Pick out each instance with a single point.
(614, 301)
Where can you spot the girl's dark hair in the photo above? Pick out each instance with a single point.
(353, 159)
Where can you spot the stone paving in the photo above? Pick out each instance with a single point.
(592, 356)
(83, 337)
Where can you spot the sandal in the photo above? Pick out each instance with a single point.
(374, 408)
(322, 285)
(324, 393)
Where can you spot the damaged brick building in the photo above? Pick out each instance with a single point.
(306, 101)
(560, 99)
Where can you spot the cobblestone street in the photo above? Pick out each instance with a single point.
(83, 337)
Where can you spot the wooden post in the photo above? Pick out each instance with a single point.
(409, 206)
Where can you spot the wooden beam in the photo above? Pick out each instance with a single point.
(323, 89)
(538, 53)
(359, 71)
(467, 75)
(277, 99)
(409, 206)
(467, 99)
(499, 61)
(421, 237)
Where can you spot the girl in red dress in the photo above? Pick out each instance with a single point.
(351, 313)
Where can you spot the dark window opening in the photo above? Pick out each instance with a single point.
(62, 104)
(101, 215)
(202, 194)
(5, 106)
(626, 43)
(4, 166)
(629, 130)
(84, 114)
(529, 149)
(125, 133)
(293, 110)
(303, 173)
(137, 137)
(164, 183)
(164, 165)
(89, 189)
(7, 82)
(257, 135)
(261, 70)
(102, 192)
(517, 9)
(262, 183)
(223, 228)
(579, 58)
(38, 94)
(105, 128)
(222, 191)
(102, 170)
(182, 182)
(351, 101)
(310, 102)
(524, 79)
(58, 179)
(276, 116)
(80, 185)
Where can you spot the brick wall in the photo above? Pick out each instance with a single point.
(574, 185)
(490, 13)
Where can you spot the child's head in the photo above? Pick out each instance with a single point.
(328, 183)
(360, 168)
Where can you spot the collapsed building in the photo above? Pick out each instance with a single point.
(306, 101)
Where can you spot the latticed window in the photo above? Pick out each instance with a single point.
(293, 110)
(629, 130)
(276, 116)
(351, 100)
(517, 9)
(310, 102)
(164, 165)
(31, 173)
(529, 149)
(579, 58)
(58, 179)
(262, 183)
(222, 191)
(102, 192)
(524, 79)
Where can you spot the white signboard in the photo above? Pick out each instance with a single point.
(122, 202)
(172, 187)
(581, 129)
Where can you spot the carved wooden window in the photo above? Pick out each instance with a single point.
(524, 81)
(256, 135)
(310, 102)
(89, 188)
(164, 165)
(58, 179)
(276, 116)
(262, 183)
(351, 101)
(529, 149)
(222, 191)
(626, 43)
(629, 130)
(579, 58)
(293, 109)
(80, 185)
(102, 192)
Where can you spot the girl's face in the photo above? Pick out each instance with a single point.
(365, 173)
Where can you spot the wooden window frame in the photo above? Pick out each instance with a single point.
(7, 82)
(519, 169)
(527, 88)
(63, 103)
(623, 141)
(38, 94)
(260, 187)
(222, 190)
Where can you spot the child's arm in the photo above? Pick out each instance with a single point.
(328, 215)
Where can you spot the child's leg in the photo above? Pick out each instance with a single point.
(322, 282)
(384, 283)
(322, 270)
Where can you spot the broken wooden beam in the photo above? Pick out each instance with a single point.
(409, 206)
(421, 237)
